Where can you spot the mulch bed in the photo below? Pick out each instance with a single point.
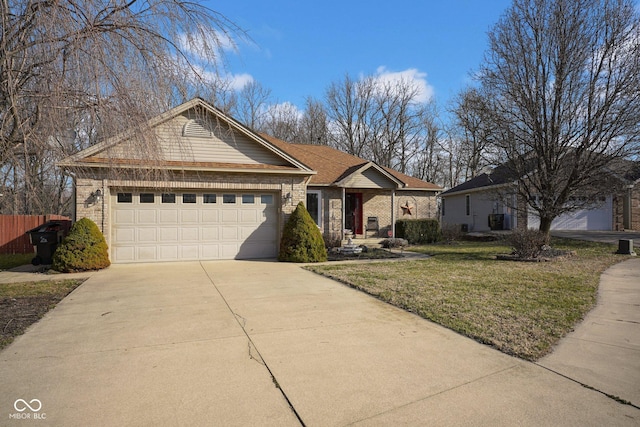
(546, 255)
(17, 314)
(370, 253)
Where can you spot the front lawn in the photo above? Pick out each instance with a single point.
(520, 308)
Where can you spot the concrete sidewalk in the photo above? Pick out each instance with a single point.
(263, 343)
(604, 350)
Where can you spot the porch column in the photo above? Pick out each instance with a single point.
(343, 222)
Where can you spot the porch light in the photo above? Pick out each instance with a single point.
(97, 195)
(288, 198)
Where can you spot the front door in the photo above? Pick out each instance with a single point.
(353, 212)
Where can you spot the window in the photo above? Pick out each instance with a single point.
(442, 207)
(228, 198)
(168, 198)
(266, 199)
(313, 206)
(467, 204)
(125, 198)
(188, 198)
(147, 198)
(208, 198)
(248, 199)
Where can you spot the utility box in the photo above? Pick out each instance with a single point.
(496, 221)
(625, 247)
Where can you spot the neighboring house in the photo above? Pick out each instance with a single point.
(489, 201)
(210, 188)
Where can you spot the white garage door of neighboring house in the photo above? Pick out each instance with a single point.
(150, 226)
(597, 219)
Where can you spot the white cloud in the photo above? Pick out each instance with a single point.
(207, 44)
(411, 75)
(284, 109)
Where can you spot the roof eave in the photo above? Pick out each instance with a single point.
(78, 165)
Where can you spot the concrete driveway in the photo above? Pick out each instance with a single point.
(600, 236)
(264, 343)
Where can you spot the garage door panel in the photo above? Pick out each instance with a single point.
(210, 233)
(189, 252)
(249, 216)
(147, 235)
(189, 216)
(124, 254)
(260, 233)
(210, 216)
(210, 251)
(147, 253)
(190, 231)
(168, 252)
(147, 216)
(257, 250)
(168, 234)
(125, 217)
(189, 234)
(230, 232)
(169, 216)
(125, 235)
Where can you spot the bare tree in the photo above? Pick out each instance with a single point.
(281, 121)
(110, 63)
(474, 131)
(430, 164)
(398, 121)
(252, 106)
(314, 124)
(350, 106)
(562, 79)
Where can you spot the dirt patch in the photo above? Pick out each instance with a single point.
(18, 312)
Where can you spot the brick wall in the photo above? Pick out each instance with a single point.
(631, 198)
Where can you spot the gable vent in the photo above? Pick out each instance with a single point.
(197, 129)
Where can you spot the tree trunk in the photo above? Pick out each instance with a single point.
(545, 225)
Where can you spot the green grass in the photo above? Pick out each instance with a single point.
(520, 308)
(8, 261)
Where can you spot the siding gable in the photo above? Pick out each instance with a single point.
(193, 137)
(369, 178)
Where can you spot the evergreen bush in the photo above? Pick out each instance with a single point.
(418, 231)
(301, 239)
(83, 249)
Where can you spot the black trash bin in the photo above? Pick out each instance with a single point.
(46, 238)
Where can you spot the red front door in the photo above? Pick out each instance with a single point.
(353, 212)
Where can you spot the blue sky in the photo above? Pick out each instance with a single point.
(300, 47)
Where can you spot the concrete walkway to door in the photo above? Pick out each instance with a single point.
(265, 343)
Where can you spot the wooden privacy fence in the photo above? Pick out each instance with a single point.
(13, 229)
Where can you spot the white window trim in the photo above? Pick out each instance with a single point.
(320, 218)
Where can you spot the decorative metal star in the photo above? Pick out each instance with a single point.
(406, 209)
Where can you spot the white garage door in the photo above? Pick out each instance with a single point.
(150, 226)
(597, 219)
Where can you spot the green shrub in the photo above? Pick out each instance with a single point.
(301, 239)
(528, 244)
(418, 231)
(82, 250)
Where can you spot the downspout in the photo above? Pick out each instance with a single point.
(393, 213)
